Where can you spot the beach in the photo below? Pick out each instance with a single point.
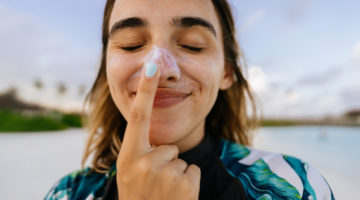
(32, 162)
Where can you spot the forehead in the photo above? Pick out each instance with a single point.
(158, 12)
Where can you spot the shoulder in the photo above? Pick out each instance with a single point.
(267, 175)
(80, 184)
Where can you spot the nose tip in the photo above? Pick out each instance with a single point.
(172, 78)
(167, 64)
(169, 69)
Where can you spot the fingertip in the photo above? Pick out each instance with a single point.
(150, 69)
(194, 170)
(193, 173)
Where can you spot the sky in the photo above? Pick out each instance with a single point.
(303, 56)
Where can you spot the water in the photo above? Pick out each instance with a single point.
(30, 163)
(335, 151)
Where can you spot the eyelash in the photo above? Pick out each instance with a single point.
(131, 48)
(190, 48)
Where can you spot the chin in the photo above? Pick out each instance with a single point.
(161, 136)
(164, 130)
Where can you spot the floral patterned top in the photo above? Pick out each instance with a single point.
(263, 176)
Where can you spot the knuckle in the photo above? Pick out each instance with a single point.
(169, 173)
(143, 164)
(185, 185)
(145, 89)
(175, 149)
(120, 165)
(172, 148)
(137, 115)
(124, 178)
(196, 169)
(193, 169)
(145, 168)
(181, 163)
(193, 174)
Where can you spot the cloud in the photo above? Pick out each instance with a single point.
(299, 9)
(276, 100)
(356, 52)
(258, 80)
(30, 50)
(351, 96)
(283, 99)
(252, 20)
(292, 97)
(330, 75)
(289, 13)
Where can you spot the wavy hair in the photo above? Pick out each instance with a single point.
(227, 119)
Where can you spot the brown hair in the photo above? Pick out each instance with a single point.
(228, 118)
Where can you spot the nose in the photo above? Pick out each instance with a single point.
(166, 62)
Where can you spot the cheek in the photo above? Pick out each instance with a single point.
(205, 70)
(117, 69)
(120, 69)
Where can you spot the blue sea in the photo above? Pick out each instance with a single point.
(33, 162)
(334, 150)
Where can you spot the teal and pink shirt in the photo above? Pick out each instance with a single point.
(228, 171)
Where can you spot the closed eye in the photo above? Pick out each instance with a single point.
(131, 48)
(191, 48)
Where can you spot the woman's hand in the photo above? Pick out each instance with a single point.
(144, 172)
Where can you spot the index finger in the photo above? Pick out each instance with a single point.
(136, 138)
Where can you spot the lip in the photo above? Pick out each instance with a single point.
(166, 97)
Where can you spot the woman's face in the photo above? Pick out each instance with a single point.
(184, 39)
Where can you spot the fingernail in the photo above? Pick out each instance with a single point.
(150, 69)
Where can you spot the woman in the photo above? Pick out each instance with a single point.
(168, 115)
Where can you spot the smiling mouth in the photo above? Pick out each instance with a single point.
(168, 97)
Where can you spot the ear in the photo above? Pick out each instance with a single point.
(227, 77)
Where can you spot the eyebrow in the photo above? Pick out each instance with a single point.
(132, 22)
(187, 22)
(183, 22)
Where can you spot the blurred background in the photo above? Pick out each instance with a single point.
(303, 61)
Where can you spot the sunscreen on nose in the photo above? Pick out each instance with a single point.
(164, 60)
